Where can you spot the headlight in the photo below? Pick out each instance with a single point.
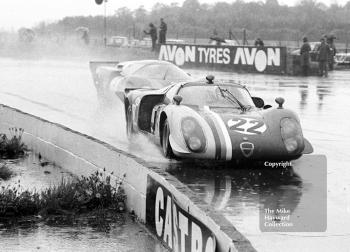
(193, 134)
(291, 134)
(194, 143)
(188, 126)
(291, 144)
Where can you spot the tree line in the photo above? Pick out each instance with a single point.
(268, 20)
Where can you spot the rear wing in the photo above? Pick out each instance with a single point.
(94, 65)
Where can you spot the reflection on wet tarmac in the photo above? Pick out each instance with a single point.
(229, 189)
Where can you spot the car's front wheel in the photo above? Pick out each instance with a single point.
(167, 151)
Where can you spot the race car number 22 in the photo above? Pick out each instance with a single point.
(248, 126)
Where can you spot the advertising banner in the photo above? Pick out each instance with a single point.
(175, 227)
(270, 60)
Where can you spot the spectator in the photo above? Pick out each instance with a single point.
(259, 43)
(215, 39)
(323, 53)
(162, 31)
(305, 57)
(153, 33)
(85, 37)
(332, 51)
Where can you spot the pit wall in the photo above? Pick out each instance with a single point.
(83, 155)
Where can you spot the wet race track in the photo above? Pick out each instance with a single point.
(63, 92)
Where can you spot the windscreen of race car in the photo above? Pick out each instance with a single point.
(215, 96)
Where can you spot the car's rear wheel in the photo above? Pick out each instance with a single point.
(129, 130)
(167, 151)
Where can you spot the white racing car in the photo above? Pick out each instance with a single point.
(111, 77)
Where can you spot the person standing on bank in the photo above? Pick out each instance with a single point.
(332, 51)
(323, 53)
(259, 43)
(153, 33)
(305, 57)
(162, 31)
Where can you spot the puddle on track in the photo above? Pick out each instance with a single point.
(33, 173)
(121, 235)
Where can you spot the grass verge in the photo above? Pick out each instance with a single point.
(12, 147)
(68, 198)
(5, 172)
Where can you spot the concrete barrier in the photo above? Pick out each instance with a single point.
(83, 155)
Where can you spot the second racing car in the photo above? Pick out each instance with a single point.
(219, 121)
(111, 77)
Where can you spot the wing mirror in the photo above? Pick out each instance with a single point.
(177, 99)
(279, 101)
(258, 102)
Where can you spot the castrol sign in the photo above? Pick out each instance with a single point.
(179, 230)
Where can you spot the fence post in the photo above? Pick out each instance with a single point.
(347, 42)
(195, 36)
(244, 36)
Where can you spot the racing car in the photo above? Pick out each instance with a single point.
(218, 121)
(111, 77)
(342, 60)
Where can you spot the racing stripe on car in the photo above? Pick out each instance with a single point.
(219, 131)
(221, 144)
(216, 136)
(220, 134)
(223, 130)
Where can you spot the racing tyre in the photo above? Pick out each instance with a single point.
(129, 130)
(167, 151)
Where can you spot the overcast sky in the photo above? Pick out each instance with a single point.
(18, 13)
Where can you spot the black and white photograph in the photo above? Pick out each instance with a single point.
(175, 125)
